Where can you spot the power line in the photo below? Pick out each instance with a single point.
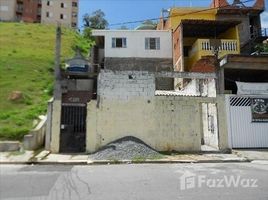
(189, 13)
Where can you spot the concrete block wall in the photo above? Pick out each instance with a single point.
(124, 85)
(138, 64)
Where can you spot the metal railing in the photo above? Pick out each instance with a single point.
(264, 32)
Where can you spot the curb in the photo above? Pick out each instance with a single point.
(108, 162)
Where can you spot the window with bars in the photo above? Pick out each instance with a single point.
(152, 43)
(119, 42)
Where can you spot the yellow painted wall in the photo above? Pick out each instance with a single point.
(232, 33)
(178, 14)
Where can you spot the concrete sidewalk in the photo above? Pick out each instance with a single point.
(45, 157)
(252, 154)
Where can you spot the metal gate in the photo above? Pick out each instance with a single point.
(73, 128)
(242, 132)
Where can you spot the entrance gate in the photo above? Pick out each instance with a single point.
(242, 131)
(73, 128)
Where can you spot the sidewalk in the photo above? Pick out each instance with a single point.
(252, 154)
(46, 158)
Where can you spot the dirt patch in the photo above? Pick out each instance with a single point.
(15, 96)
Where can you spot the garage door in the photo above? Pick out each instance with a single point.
(242, 131)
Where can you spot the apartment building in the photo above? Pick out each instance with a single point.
(20, 10)
(28, 11)
(64, 12)
(7, 10)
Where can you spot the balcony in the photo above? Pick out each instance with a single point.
(202, 47)
(19, 10)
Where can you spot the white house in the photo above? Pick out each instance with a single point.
(133, 49)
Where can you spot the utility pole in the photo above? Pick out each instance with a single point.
(57, 72)
(216, 43)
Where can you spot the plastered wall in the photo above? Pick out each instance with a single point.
(165, 123)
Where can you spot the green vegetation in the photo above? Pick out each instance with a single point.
(26, 65)
(262, 47)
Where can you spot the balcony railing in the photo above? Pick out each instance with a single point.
(202, 47)
(264, 32)
(226, 45)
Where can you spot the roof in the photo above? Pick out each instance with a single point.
(146, 27)
(250, 62)
(97, 32)
(206, 28)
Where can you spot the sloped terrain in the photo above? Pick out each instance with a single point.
(26, 66)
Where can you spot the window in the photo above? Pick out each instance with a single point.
(186, 50)
(152, 43)
(49, 3)
(74, 14)
(3, 8)
(49, 14)
(63, 5)
(119, 42)
(62, 16)
(74, 24)
(74, 4)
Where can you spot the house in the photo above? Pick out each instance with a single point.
(149, 50)
(201, 34)
(141, 50)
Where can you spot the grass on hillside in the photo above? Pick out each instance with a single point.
(26, 65)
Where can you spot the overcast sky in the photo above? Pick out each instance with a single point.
(120, 11)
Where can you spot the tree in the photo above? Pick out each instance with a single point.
(96, 20)
(262, 47)
(83, 42)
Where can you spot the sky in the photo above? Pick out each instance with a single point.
(121, 11)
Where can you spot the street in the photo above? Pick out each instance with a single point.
(141, 181)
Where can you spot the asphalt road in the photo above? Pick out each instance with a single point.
(151, 182)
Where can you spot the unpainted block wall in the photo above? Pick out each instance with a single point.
(124, 85)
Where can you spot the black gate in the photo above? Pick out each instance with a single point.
(73, 128)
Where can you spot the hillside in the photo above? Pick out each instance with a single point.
(26, 65)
